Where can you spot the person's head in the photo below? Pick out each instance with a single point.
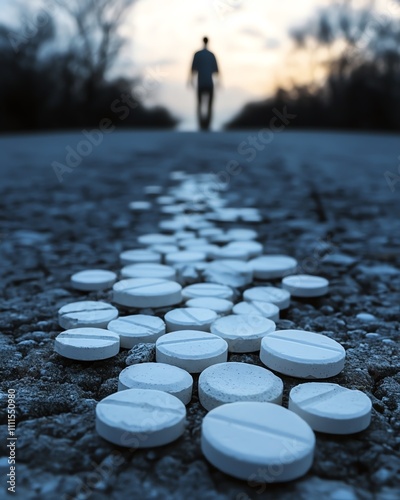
(205, 41)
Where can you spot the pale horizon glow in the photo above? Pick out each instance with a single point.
(250, 39)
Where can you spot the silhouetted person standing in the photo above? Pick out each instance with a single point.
(205, 65)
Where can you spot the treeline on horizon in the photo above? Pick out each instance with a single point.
(46, 84)
(361, 54)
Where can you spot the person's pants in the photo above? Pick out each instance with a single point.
(204, 97)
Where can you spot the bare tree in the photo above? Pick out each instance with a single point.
(98, 40)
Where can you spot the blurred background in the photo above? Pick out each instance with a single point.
(68, 64)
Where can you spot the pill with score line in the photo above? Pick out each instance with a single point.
(302, 354)
(331, 408)
(87, 313)
(191, 350)
(137, 329)
(151, 292)
(158, 376)
(87, 344)
(259, 441)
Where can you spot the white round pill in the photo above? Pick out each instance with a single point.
(242, 234)
(190, 318)
(139, 256)
(139, 206)
(165, 200)
(150, 292)
(140, 418)
(302, 354)
(306, 285)
(164, 249)
(228, 252)
(156, 239)
(93, 279)
(191, 350)
(209, 290)
(265, 309)
(273, 266)
(235, 273)
(182, 235)
(253, 248)
(331, 408)
(136, 329)
(87, 344)
(158, 376)
(207, 249)
(272, 294)
(149, 271)
(230, 382)
(210, 232)
(243, 332)
(173, 209)
(184, 258)
(153, 190)
(192, 244)
(220, 306)
(87, 313)
(260, 442)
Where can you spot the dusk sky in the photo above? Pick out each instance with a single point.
(249, 37)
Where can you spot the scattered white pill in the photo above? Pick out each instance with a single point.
(164, 249)
(306, 285)
(331, 408)
(302, 354)
(227, 252)
(208, 290)
(182, 235)
(196, 225)
(235, 273)
(156, 239)
(207, 249)
(243, 332)
(210, 232)
(147, 292)
(184, 258)
(139, 206)
(171, 225)
(93, 279)
(149, 271)
(265, 309)
(173, 209)
(222, 239)
(140, 418)
(268, 267)
(230, 382)
(242, 234)
(139, 256)
(87, 344)
(136, 329)
(87, 313)
(253, 248)
(165, 200)
(220, 306)
(260, 442)
(191, 350)
(193, 243)
(272, 294)
(190, 318)
(153, 190)
(158, 376)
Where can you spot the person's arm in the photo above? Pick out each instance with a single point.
(192, 73)
(216, 74)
